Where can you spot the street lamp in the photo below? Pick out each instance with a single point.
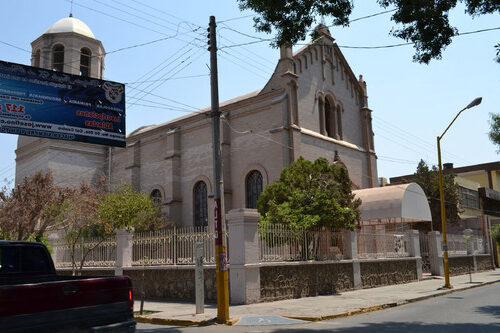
(472, 104)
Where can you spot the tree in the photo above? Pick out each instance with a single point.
(309, 195)
(428, 180)
(78, 217)
(494, 133)
(27, 211)
(495, 233)
(90, 212)
(424, 22)
(126, 209)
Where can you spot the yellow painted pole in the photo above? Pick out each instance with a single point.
(475, 102)
(443, 220)
(222, 280)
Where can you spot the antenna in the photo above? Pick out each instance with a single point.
(71, 9)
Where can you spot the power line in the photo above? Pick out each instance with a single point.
(174, 78)
(186, 65)
(233, 62)
(369, 16)
(16, 47)
(236, 18)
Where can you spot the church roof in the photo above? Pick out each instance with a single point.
(70, 24)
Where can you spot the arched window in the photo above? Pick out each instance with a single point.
(339, 121)
(253, 188)
(85, 55)
(328, 119)
(156, 196)
(200, 204)
(295, 103)
(36, 59)
(58, 58)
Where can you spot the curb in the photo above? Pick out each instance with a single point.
(384, 306)
(233, 321)
(182, 322)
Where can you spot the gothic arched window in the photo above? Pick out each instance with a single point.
(328, 119)
(200, 204)
(156, 196)
(58, 58)
(339, 122)
(253, 188)
(85, 55)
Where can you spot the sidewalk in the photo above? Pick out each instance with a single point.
(314, 308)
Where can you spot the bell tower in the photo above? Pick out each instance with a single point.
(67, 46)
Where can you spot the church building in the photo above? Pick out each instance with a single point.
(312, 106)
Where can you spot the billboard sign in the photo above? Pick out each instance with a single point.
(48, 104)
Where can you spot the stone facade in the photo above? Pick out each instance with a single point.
(168, 283)
(312, 106)
(375, 273)
(303, 280)
(459, 265)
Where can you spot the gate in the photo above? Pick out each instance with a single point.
(424, 252)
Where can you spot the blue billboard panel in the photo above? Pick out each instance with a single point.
(48, 104)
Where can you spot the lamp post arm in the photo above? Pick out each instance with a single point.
(458, 114)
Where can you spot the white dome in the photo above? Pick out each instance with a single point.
(70, 24)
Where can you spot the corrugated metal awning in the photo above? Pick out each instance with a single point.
(396, 203)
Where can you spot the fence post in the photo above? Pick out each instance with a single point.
(414, 250)
(380, 240)
(244, 272)
(436, 253)
(349, 238)
(54, 238)
(124, 243)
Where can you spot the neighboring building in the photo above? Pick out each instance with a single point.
(312, 106)
(479, 189)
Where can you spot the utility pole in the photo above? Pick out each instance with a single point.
(220, 249)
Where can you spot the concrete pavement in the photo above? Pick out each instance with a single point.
(314, 308)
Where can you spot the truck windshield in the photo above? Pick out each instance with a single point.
(23, 259)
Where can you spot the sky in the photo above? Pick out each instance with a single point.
(412, 103)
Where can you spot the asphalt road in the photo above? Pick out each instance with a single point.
(473, 310)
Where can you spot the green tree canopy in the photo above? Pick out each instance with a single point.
(422, 22)
(91, 212)
(494, 133)
(126, 208)
(495, 233)
(428, 180)
(308, 195)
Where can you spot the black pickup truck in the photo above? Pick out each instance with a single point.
(34, 299)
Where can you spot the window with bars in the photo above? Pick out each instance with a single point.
(468, 198)
(58, 58)
(200, 204)
(156, 196)
(253, 188)
(85, 55)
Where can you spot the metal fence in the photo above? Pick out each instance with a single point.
(98, 252)
(279, 243)
(173, 246)
(382, 245)
(457, 244)
(425, 251)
